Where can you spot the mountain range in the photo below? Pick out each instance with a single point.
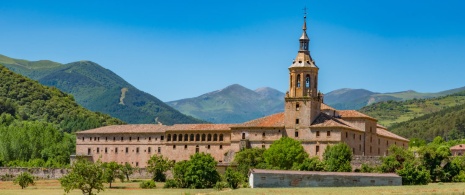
(233, 104)
(99, 89)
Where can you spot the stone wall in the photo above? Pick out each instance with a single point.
(7, 173)
(358, 160)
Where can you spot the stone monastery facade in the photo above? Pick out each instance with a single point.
(305, 118)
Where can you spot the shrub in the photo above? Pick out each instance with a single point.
(170, 183)
(149, 184)
(24, 179)
(337, 158)
(220, 185)
(232, 177)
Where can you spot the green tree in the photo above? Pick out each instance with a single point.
(112, 171)
(249, 158)
(310, 164)
(198, 172)
(284, 154)
(24, 179)
(158, 165)
(84, 175)
(127, 170)
(395, 160)
(233, 178)
(337, 158)
(433, 156)
(413, 174)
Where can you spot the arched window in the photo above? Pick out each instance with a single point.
(307, 81)
(186, 137)
(197, 137)
(221, 137)
(169, 137)
(192, 137)
(180, 137)
(215, 137)
(203, 137)
(209, 138)
(298, 80)
(175, 137)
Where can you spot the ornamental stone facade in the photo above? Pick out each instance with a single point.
(305, 118)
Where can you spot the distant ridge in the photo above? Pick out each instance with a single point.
(99, 89)
(232, 104)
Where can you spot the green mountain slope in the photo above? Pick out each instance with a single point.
(99, 89)
(448, 123)
(391, 112)
(354, 99)
(36, 122)
(233, 104)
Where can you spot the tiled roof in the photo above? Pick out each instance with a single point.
(322, 173)
(354, 114)
(141, 128)
(274, 120)
(458, 147)
(381, 126)
(206, 127)
(326, 107)
(386, 133)
(324, 120)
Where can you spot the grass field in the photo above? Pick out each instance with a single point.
(52, 187)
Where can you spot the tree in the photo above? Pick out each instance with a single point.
(84, 175)
(337, 158)
(413, 173)
(433, 156)
(112, 171)
(395, 160)
(284, 154)
(249, 158)
(198, 172)
(158, 165)
(127, 170)
(24, 179)
(233, 178)
(310, 164)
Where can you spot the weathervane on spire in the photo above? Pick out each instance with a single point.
(305, 12)
(305, 18)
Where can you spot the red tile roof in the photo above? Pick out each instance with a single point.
(140, 128)
(458, 147)
(354, 114)
(386, 133)
(205, 127)
(324, 120)
(274, 120)
(326, 107)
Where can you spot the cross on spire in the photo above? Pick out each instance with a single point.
(305, 11)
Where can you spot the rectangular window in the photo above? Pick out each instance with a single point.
(328, 133)
(130, 138)
(185, 147)
(174, 147)
(221, 147)
(360, 137)
(137, 150)
(162, 137)
(317, 149)
(347, 134)
(98, 150)
(297, 121)
(88, 151)
(116, 150)
(122, 138)
(296, 134)
(317, 133)
(114, 138)
(82, 138)
(137, 138)
(208, 147)
(137, 164)
(127, 149)
(150, 139)
(149, 149)
(106, 138)
(159, 150)
(106, 150)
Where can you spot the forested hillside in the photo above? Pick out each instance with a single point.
(99, 89)
(391, 112)
(448, 123)
(37, 122)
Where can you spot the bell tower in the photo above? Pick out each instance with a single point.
(302, 101)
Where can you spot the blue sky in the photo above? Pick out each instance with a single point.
(181, 49)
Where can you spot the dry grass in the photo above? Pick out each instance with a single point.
(51, 187)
